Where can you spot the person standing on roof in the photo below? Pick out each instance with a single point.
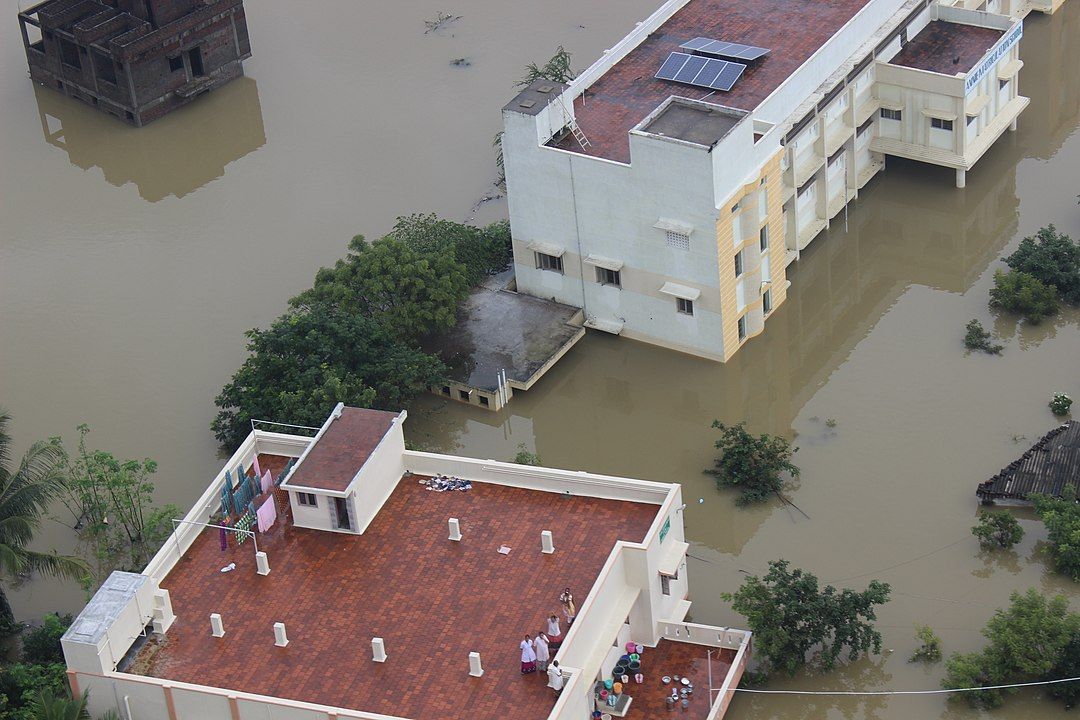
(555, 676)
(554, 632)
(528, 656)
(540, 645)
(569, 609)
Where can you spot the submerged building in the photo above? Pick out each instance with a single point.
(667, 188)
(344, 576)
(135, 59)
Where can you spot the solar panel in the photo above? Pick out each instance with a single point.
(721, 48)
(700, 71)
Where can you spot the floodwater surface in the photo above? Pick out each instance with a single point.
(124, 307)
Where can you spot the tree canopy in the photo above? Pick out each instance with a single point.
(1053, 258)
(1024, 294)
(1062, 519)
(752, 464)
(791, 616)
(998, 528)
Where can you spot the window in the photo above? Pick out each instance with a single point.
(736, 206)
(1002, 84)
(665, 584)
(763, 179)
(549, 262)
(195, 60)
(738, 264)
(890, 114)
(463, 395)
(678, 240)
(763, 238)
(971, 119)
(742, 328)
(766, 301)
(941, 124)
(104, 67)
(446, 390)
(176, 63)
(608, 277)
(684, 306)
(484, 401)
(69, 54)
(307, 499)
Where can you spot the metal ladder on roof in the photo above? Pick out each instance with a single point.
(575, 129)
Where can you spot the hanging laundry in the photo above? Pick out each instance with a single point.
(267, 481)
(245, 522)
(255, 465)
(223, 539)
(266, 515)
(226, 500)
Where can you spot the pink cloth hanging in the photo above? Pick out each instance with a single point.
(266, 515)
(267, 481)
(258, 472)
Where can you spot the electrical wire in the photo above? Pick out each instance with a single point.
(906, 692)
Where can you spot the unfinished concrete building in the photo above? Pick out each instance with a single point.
(135, 59)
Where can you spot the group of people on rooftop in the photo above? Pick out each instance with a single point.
(536, 652)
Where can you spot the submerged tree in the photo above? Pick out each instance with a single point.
(557, 69)
(791, 616)
(929, 649)
(1062, 519)
(26, 492)
(525, 456)
(1053, 258)
(976, 338)
(752, 464)
(998, 529)
(1024, 294)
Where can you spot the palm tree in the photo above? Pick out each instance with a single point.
(50, 707)
(25, 495)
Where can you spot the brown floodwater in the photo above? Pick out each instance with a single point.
(124, 306)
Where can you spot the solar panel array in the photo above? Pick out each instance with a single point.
(720, 48)
(700, 71)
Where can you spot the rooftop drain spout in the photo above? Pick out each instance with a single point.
(455, 530)
(475, 669)
(378, 650)
(217, 629)
(547, 545)
(280, 638)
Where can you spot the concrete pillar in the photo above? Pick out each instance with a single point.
(163, 612)
(547, 546)
(455, 530)
(280, 638)
(262, 563)
(961, 178)
(217, 629)
(378, 650)
(1012, 125)
(475, 669)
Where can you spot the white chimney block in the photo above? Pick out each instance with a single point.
(262, 563)
(280, 638)
(217, 629)
(163, 612)
(378, 650)
(455, 530)
(475, 669)
(546, 543)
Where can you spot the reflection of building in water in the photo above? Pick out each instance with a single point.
(135, 59)
(174, 157)
(1051, 56)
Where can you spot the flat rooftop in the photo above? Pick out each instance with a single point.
(694, 123)
(947, 48)
(685, 660)
(433, 601)
(339, 454)
(501, 330)
(792, 30)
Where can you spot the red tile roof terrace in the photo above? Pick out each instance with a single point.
(432, 600)
(939, 44)
(792, 30)
(338, 455)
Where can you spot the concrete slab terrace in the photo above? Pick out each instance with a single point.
(696, 124)
(623, 96)
(947, 48)
(501, 330)
(432, 600)
(684, 659)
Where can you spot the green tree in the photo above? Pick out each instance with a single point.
(1068, 666)
(22, 684)
(977, 338)
(26, 492)
(112, 506)
(1027, 641)
(525, 456)
(557, 69)
(1019, 292)
(42, 644)
(998, 529)
(790, 616)
(483, 251)
(311, 359)
(1053, 258)
(751, 464)
(408, 291)
(1062, 519)
(929, 649)
(62, 707)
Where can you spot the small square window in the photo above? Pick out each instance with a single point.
(307, 499)
(766, 301)
(971, 119)
(763, 238)
(738, 264)
(608, 277)
(484, 401)
(677, 240)
(736, 206)
(446, 390)
(890, 114)
(665, 584)
(941, 124)
(549, 262)
(684, 306)
(463, 395)
(742, 328)
(176, 63)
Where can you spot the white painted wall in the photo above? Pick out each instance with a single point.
(379, 475)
